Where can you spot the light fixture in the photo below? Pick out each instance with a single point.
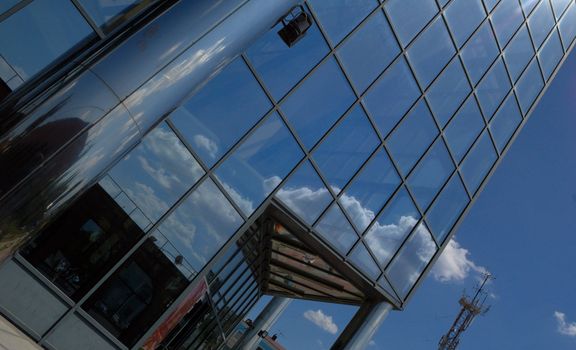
(295, 25)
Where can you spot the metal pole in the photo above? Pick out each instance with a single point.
(370, 324)
(264, 322)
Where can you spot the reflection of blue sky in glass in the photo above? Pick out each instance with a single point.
(493, 88)
(405, 270)
(462, 26)
(550, 54)
(362, 259)
(280, 66)
(518, 53)
(391, 96)
(339, 17)
(506, 18)
(368, 51)
(342, 153)
(337, 230)
(409, 16)
(529, 85)
(479, 52)
(505, 122)
(447, 208)
(305, 194)
(318, 102)
(201, 224)
(568, 26)
(103, 11)
(157, 172)
(478, 162)
(540, 22)
(411, 139)
(464, 128)
(370, 190)
(265, 158)
(559, 6)
(430, 52)
(392, 227)
(226, 108)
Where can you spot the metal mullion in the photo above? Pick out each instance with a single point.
(231, 311)
(548, 37)
(248, 303)
(242, 278)
(12, 10)
(242, 274)
(218, 321)
(88, 18)
(222, 313)
(536, 49)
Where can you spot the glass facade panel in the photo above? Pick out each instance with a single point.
(506, 18)
(478, 162)
(505, 122)
(550, 54)
(316, 104)
(224, 110)
(49, 29)
(431, 52)
(280, 66)
(412, 137)
(108, 14)
(462, 26)
(430, 174)
(490, 4)
(568, 26)
(407, 267)
(528, 5)
(447, 208)
(7, 4)
(479, 53)
(362, 259)
(305, 194)
(265, 157)
(559, 7)
(529, 85)
(541, 22)
(409, 17)
(492, 89)
(342, 153)
(464, 128)
(448, 91)
(392, 227)
(370, 190)
(518, 53)
(335, 228)
(200, 226)
(157, 172)
(391, 96)
(339, 17)
(369, 51)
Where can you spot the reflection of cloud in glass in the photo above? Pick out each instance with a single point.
(304, 201)
(206, 144)
(383, 240)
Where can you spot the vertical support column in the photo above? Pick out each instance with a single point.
(362, 327)
(264, 322)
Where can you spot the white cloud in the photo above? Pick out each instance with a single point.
(454, 264)
(321, 320)
(208, 145)
(564, 327)
(372, 343)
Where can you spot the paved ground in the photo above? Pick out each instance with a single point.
(12, 339)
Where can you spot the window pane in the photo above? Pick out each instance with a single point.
(462, 26)
(370, 190)
(337, 230)
(447, 208)
(392, 227)
(528, 5)
(157, 172)
(110, 14)
(505, 122)
(305, 194)
(464, 128)
(550, 54)
(506, 19)
(318, 102)
(200, 226)
(541, 22)
(492, 89)
(430, 174)
(412, 260)
(518, 53)
(447, 93)
(219, 114)
(478, 162)
(490, 4)
(254, 170)
(280, 66)
(362, 259)
(479, 53)
(392, 96)
(529, 86)
(369, 51)
(409, 17)
(339, 17)
(347, 147)
(559, 7)
(431, 52)
(7, 4)
(411, 139)
(568, 26)
(49, 29)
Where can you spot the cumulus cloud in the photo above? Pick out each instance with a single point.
(455, 264)
(321, 320)
(565, 328)
(206, 144)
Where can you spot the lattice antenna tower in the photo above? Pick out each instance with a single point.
(470, 309)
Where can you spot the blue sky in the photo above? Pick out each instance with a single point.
(521, 228)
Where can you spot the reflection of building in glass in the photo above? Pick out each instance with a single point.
(167, 163)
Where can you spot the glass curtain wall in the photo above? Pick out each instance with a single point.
(377, 131)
